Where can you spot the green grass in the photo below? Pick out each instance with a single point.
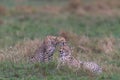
(38, 26)
(15, 30)
(37, 71)
(12, 3)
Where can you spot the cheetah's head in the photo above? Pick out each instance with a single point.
(61, 41)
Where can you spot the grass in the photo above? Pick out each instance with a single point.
(21, 33)
(37, 71)
(26, 71)
(15, 30)
(15, 64)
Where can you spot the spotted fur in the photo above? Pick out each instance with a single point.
(91, 67)
(45, 52)
(67, 59)
(61, 41)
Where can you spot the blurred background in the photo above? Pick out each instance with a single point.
(20, 19)
(92, 27)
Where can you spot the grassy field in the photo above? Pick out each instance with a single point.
(25, 23)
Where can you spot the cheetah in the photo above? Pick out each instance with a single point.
(45, 52)
(61, 41)
(67, 59)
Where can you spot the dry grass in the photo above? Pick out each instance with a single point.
(28, 47)
(24, 10)
(85, 44)
(20, 50)
(100, 50)
(79, 7)
(50, 9)
(97, 7)
(109, 3)
(32, 10)
(107, 44)
(93, 45)
(72, 5)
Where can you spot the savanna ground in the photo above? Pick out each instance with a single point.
(90, 26)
